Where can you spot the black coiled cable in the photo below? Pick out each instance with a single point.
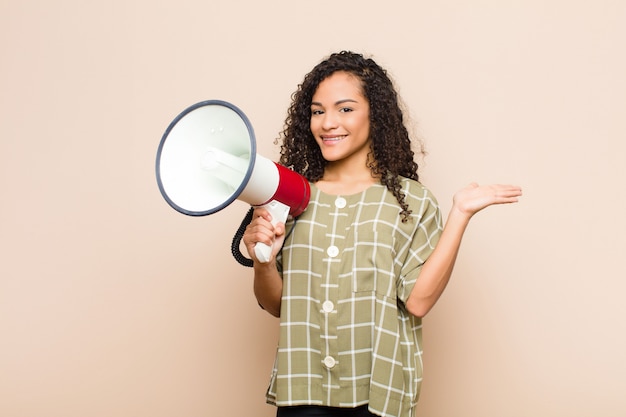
(240, 257)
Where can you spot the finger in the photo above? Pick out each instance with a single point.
(259, 230)
(262, 213)
(279, 229)
(508, 198)
(512, 191)
(260, 234)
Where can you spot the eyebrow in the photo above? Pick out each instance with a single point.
(345, 100)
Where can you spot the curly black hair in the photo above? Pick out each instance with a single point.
(390, 153)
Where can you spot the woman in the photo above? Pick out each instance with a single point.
(366, 260)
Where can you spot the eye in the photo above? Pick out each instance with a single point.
(316, 112)
(345, 110)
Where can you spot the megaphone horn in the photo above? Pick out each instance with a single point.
(207, 159)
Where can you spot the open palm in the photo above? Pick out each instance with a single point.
(473, 198)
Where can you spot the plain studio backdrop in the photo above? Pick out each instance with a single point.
(114, 304)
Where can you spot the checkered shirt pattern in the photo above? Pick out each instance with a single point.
(346, 338)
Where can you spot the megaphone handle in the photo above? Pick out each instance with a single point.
(279, 212)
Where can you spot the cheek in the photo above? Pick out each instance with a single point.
(314, 126)
(362, 125)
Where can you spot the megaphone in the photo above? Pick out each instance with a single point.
(207, 159)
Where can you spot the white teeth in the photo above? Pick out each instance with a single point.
(336, 138)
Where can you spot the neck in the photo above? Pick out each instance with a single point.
(345, 182)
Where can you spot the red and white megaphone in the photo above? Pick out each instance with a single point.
(207, 159)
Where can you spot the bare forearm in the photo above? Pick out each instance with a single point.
(268, 286)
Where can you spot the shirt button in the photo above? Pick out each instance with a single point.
(329, 362)
(332, 251)
(328, 306)
(340, 202)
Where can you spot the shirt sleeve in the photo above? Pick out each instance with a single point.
(427, 232)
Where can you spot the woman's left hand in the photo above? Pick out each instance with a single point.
(473, 198)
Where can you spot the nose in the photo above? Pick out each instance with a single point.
(329, 121)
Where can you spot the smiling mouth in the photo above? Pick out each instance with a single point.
(333, 138)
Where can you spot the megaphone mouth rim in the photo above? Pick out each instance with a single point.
(244, 182)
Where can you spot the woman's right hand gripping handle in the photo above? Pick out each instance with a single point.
(262, 233)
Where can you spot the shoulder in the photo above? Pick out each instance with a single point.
(416, 190)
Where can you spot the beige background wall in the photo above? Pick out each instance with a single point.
(113, 304)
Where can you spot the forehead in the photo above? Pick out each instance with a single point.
(339, 86)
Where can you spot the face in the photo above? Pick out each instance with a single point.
(340, 120)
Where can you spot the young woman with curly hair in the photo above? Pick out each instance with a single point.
(368, 258)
